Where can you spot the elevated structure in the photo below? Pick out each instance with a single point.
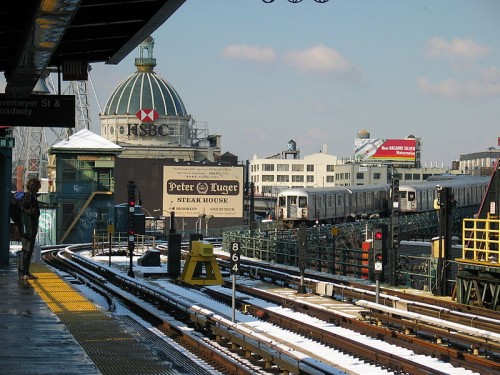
(74, 34)
(478, 280)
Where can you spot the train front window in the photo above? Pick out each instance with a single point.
(302, 202)
(281, 201)
(411, 196)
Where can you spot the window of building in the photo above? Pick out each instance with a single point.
(297, 178)
(297, 167)
(268, 167)
(330, 168)
(69, 170)
(86, 170)
(360, 176)
(267, 178)
(408, 176)
(377, 176)
(282, 167)
(267, 190)
(282, 178)
(310, 178)
(330, 179)
(68, 215)
(310, 167)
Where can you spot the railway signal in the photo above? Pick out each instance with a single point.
(131, 225)
(395, 212)
(378, 238)
(379, 250)
(379, 247)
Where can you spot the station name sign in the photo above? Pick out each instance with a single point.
(51, 111)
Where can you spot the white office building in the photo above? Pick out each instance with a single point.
(287, 170)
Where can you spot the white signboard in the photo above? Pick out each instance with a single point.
(192, 191)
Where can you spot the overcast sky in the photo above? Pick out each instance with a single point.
(263, 74)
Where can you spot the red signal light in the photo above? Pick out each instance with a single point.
(378, 235)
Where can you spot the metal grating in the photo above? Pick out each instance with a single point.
(108, 344)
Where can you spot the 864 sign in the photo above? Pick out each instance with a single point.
(235, 257)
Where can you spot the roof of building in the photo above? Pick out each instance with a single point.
(145, 89)
(85, 140)
(36, 35)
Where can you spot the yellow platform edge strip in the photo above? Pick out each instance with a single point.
(57, 294)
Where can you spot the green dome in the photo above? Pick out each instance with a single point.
(145, 90)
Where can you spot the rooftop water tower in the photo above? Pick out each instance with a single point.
(291, 151)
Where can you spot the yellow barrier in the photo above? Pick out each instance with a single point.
(481, 240)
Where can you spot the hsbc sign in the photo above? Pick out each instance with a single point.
(147, 115)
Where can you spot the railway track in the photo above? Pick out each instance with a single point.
(302, 344)
(442, 329)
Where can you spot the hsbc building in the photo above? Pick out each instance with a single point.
(146, 116)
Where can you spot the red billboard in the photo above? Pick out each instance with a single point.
(390, 150)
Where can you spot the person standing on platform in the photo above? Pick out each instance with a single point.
(30, 215)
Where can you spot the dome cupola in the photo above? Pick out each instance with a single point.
(145, 89)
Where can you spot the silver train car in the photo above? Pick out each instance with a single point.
(333, 204)
(419, 197)
(347, 203)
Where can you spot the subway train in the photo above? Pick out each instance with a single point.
(419, 197)
(348, 203)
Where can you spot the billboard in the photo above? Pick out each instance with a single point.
(193, 191)
(389, 150)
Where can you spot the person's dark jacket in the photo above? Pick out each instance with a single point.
(30, 214)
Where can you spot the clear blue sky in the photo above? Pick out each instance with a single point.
(262, 74)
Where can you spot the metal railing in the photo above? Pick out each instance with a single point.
(118, 242)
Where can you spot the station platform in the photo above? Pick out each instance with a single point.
(33, 339)
(49, 327)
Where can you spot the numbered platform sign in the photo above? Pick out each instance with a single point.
(235, 257)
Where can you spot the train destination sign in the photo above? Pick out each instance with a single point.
(52, 111)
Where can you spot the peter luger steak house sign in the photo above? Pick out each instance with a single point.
(211, 190)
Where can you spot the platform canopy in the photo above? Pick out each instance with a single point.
(69, 34)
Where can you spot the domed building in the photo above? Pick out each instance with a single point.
(146, 116)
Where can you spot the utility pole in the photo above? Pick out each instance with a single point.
(445, 203)
(302, 233)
